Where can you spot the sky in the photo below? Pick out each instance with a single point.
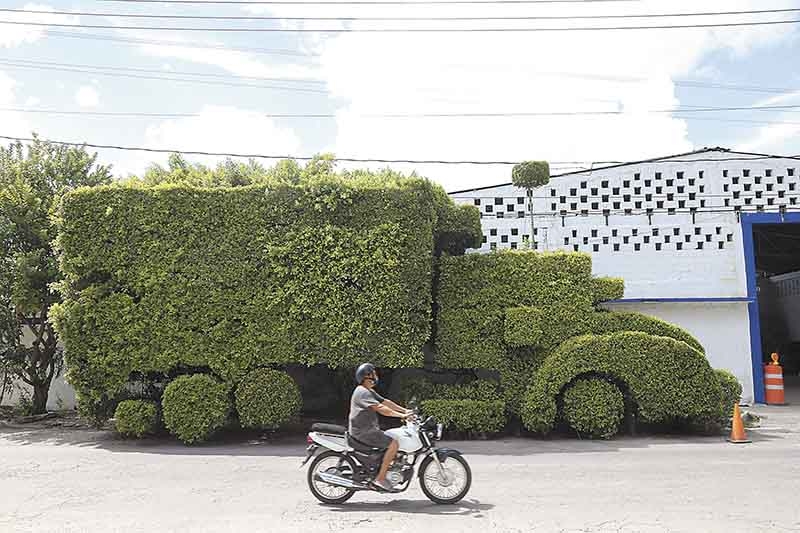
(221, 91)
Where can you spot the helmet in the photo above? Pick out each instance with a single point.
(364, 370)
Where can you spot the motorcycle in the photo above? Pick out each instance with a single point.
(347, 466)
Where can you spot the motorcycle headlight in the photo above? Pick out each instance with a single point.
(439, 429)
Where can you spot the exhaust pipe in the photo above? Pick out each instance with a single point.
(339, 481)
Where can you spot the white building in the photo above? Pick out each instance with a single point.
(685, 232)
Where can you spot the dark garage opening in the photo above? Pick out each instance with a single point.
(777, 256)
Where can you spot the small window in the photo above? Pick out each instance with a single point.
(660, 205)
(670, 183)
(679, 246)
(498, 201)
(735, 181)
(595, 206)
(676, 231)
(604, 183)
(626, 198)
(655, 232)
(614, 233)
(615, 190)
(768, 172)
(700, 174)
(637, 176)
(626, 183)
(566, 241)
(745, 173)
(617, 205)
(504, 238)
(724, 173)
(648, 183)
(595, 192)
(790, 171)
(594, 233)
(729, 237)
(573, 206)
(700, 245)
(708, 238)
(626, 239)
(697, 231)
(511, 207)
(477, 201)
(637, 247)
(605, 240)
(721, 245)
(489, 208)
(493, 232)
(758, 180)
(658, 175)
(513, 246)
(667, 238)
(659, 189)
(605, 198)
(681, 189)
(573, 192)
(637, 190)
(680, 175)
(687, 238)
(638, 205)
(584, 185)
(574, 233)
(515, 231)
(658, 246)
(520, 214)
(484, 239)
(616, 247)
(500, 214)
(562, 199)
(596, 247)
(552, 192)
(575, 247)
(648, 197)
(718, 229)
(646, 239)
(521, 199)
(681, 204)
(691, 182)
(584, 199)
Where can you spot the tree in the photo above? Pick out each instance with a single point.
(530, 175)
(32, 180)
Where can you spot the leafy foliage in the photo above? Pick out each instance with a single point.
(32, 181)
(530, 174)
(522, 326)
(136, 418)
(195, 407)
(668, 380)
(327, 271)
(267, 399)
(731, 392)
(594, 407)
(468, 415)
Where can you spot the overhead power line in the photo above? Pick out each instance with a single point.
(750, 157)
(184, 44)
(116, 68)
(521, 114)
(8, 64)
(401, 18)
(408, 30)
(366, 2)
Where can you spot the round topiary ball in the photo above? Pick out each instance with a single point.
(136, 418)
(195, 407)
(267, 399)
(530, 174)
(594, 407)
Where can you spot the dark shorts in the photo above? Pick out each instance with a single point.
(374, 438)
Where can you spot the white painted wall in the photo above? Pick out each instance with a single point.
(722, 329)
(788, 291)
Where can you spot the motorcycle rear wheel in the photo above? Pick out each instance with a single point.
(326, 462)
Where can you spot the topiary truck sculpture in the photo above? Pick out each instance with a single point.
(186, 306)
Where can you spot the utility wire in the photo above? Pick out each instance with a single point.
(752, 157)
(184, 44)
(406, 115)
(407, 30)
(167, 78)
(112, 68)
(366, 2)
(401, 18)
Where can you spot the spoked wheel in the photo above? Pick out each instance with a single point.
(448, 485)
(330, 463)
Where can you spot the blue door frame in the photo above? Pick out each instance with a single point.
(748, 220)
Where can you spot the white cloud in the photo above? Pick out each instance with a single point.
(783, 137)
(32, 101)
(87, 96)
(523, 72)
(214, 129)
(12, 123)
(17, 34)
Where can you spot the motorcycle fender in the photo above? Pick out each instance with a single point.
(443, 453)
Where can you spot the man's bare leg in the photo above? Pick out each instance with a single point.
(388, 457)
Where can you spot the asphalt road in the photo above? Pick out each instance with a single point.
(69, 480)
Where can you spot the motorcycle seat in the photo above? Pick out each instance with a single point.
(330, 429)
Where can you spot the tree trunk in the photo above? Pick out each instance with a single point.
(39, 401)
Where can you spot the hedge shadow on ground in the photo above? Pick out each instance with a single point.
(295, 446)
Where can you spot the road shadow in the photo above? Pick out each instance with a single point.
(471, 507)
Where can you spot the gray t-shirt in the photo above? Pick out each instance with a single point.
(362, 418)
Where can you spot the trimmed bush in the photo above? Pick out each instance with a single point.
(530, 174)
(195, 407)
(267, 399)
(609, 322)
(136, 418)
(468, 415)
(321, 272)
(523, 326)
(731, 392)
(668, 380)
(594, 407)
(606, 289)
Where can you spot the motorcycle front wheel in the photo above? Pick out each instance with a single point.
(331, 463)
(448, 485)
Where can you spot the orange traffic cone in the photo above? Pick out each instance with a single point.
(738, 436)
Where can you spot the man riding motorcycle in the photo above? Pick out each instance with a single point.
(365, 404)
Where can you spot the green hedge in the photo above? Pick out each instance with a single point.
(731, 392)
(267, 399)
(167, 277)
(136, 418)
(195, 407)
(609, 322)
(668, 380)
(468, 415)
(594, 407)
(523, 326)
